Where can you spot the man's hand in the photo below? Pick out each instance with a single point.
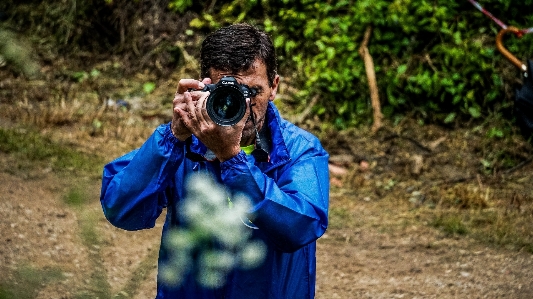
(223, 141)
(181, 98)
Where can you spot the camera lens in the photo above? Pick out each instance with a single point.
(226, 105)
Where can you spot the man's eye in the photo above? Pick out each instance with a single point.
(255, 92)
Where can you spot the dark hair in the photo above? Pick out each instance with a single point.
(235, 48)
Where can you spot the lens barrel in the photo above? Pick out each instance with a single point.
(226, 104)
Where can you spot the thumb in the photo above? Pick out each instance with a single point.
(247, 111)
(246, 115)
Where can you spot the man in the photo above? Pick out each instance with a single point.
(288, 186)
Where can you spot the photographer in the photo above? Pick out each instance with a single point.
(281, 168)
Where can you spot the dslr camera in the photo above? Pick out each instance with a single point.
(226, 104)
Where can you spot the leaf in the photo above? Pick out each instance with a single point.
(450, 118)
(148, 87)
(196, 23)
(401, 69)
(80, 76)
(95, 73)
(486, 163)
(330, 51)
(495, 132)
(474, 112)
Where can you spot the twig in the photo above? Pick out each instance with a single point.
(372, 84)
(300, 118)
(520, 165)
(414, 141)
(209, 8)
(453, 181)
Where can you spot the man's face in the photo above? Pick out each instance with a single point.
(255, 77)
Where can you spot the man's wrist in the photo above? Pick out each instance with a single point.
(238, 159)
(180, 137)
(169, 134)
(227, 156)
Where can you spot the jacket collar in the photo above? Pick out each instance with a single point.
(278, 150)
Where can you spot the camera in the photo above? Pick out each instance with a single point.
(226, 104)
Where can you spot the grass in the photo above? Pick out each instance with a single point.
(490, 227)
(98, 284)
(339, 217)
(487, 216)
(30, 153)
(493, 215)
(450, 224)
(76, 196)
(32, 150)
(99, 287)
(27, 281)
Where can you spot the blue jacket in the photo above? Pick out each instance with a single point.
(290, 195)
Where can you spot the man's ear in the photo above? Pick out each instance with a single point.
(274, 91)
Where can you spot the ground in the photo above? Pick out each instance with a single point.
(416, 211)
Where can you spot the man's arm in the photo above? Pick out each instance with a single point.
(133, 185)
(292, 209)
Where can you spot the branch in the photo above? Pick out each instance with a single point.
(372, 84)
(299, 119)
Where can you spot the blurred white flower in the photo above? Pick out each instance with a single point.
(170, 275)
(252, 254)
(214, 240)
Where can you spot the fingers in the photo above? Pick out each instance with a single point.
(246, 115)
(190, 104)
(193, 112)
(187, 84)
(201, 109)
(185, 119)
(180, 100)
(206, 81)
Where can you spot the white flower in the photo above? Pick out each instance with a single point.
(253, 254)
(213, 232)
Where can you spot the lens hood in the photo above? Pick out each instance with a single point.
(226, 104)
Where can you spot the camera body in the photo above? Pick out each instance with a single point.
(226, 104)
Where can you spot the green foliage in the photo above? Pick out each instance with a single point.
(82, 76)
(435, 58)
(61, 25)
(148, 87)
(180, 5)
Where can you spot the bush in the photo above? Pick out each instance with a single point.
(436, 59)
(140, 35)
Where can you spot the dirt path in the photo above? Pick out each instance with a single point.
(55, 250)
(51, 249)
(413, 261)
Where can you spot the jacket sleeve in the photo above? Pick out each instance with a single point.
(291, 207)
(133, 186)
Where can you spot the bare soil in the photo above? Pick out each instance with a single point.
(379, 259)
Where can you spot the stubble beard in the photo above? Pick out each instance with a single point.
(248, 133)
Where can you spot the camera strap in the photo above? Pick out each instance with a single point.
(261, 152)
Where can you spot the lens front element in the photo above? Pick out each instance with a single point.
(226, 105)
